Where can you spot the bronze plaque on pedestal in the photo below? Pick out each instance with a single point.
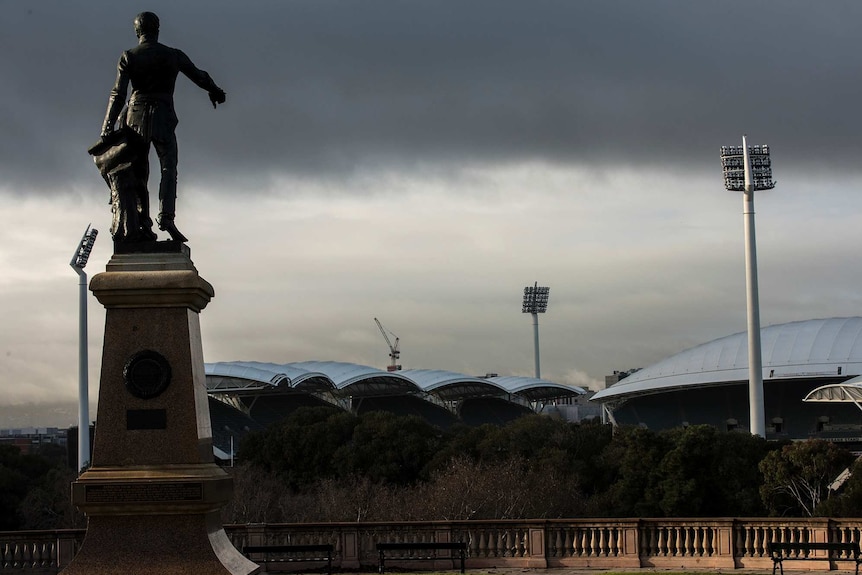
(144, 492)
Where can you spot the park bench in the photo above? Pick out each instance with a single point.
(803, 551)
(421, 551)
(290, 553)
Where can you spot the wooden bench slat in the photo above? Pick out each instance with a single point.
(266, 550)
(421, 545)
(459, 546)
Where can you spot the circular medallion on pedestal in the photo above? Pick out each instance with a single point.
(147, 374)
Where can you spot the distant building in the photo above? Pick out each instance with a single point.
(708, 384)
(30, 439)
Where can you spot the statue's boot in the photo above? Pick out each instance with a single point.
(145, 223)
(148, 235)
(166, 224)
(166, 218)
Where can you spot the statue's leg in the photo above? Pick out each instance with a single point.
(167, 152)
(142, 196)
(116, 231)
(127, 204)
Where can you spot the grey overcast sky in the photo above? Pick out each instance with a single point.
(423, 161)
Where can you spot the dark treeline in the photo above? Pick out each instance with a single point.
(323, 464)
(35, 489)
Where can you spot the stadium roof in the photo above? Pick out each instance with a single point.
(364, 381)
(449, 385)
(238, 376)
(361, 380)
(849, 391)
(535, 389)
(817, 348)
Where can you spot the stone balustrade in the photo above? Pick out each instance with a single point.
(595, 543)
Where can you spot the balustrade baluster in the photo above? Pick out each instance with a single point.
(841, 537)
(653, 540)
(662, 545)
(750, 548)
(523, 535)
(759, 541)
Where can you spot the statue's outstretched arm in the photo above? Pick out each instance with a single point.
(117, 99)
(201, 79)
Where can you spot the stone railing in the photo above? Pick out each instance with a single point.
(594, 543)
(38, 551)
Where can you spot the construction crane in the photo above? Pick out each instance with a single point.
(394, 353)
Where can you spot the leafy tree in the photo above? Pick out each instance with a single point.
(707, 473)
(631, 460)
(796, 477)
(301, 449)
(588, 442)
(48, 504)
(461, 441)
(737, 477)
(388, 448)
(19, 474)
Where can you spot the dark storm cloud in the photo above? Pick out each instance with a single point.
(324, 87)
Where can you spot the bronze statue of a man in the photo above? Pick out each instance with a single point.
(152, 69)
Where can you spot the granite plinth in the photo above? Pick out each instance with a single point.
(182, 544)
(153, 493)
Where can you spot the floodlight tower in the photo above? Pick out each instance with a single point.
(746, 169)
(79, 261)
(536, 302)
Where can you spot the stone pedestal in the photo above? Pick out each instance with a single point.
(153, 494)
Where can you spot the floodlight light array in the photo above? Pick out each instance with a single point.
(535, 299)
(79, 260)
(733, 165)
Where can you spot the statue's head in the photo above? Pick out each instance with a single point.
(146, 24)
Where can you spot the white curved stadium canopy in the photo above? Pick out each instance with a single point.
(817, 348)
(364, 381)
(849, 391)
